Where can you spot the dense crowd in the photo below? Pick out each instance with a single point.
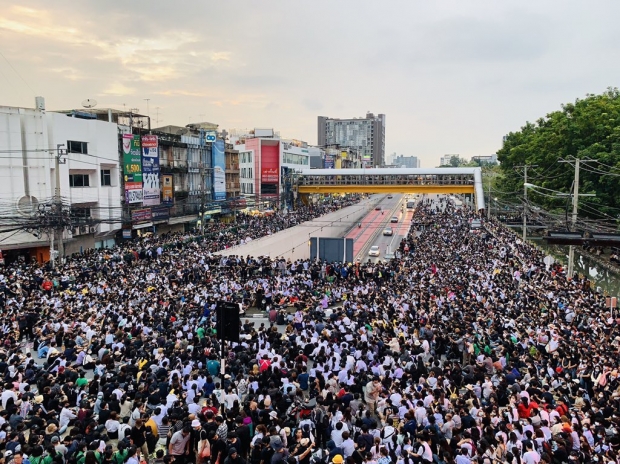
(463, 348)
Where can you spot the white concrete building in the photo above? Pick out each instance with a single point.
(89, 180)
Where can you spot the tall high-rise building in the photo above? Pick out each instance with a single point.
(366, 135)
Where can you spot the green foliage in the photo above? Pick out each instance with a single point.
(588, 128)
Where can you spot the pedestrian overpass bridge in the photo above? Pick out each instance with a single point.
(392, 180)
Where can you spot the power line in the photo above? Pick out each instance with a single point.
(17, 72)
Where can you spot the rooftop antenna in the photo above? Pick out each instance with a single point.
(148, 112)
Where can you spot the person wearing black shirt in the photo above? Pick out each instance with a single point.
(256, 455)
(218, 448)
(138, 438)
(243, 434)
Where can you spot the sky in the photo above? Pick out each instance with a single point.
(451, 76)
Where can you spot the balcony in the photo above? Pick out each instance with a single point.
(84, 194)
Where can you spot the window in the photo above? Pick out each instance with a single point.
(79, 180)
(106, 178)
(77, 147)
(268, 189)
(80, 215)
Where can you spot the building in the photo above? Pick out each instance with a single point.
(446, 160)
(406, 161)
(484, 159)
(267, 164)
(89, 175)
(233, 187)
(341, 158)
(367, 135)
(186, 166)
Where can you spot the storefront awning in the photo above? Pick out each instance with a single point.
(144, 225)
(182, 219)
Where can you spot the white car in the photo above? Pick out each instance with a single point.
(374, 251)
(388, 231)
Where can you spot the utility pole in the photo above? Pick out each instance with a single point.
(571, 248)
(202, 182)
(525, 209)
(58, 205)
(202, 198)
(489, 202)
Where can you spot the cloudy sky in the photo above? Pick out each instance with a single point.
(451, 76)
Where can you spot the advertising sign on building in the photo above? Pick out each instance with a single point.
(133, 192)
(132, 168)
(210, 136)
(141, 215)
(160, 213)
(219, 173)
(167, 190)
(270, 164)
(329, 162)
(150, 170)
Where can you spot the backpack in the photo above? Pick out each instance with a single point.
(320, 419)
(205, 450)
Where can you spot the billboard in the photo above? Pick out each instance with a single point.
(219, 174)
(210, 136)
(167, 190)
(329, 162)
(132, 168)
(150, 171)
(160, 213)
(270, 164)
(141, 215)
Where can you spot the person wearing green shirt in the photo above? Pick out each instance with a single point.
(213, 366)
(200, 333)
(81, 381)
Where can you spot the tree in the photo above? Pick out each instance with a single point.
(456, 161)
(587, 129)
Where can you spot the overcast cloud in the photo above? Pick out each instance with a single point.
(451, 76)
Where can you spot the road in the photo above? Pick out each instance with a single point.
(388, 243)
(293, 243)
(372, 222)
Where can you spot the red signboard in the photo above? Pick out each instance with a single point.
(149, 141)
(269, 175)
(270, 164)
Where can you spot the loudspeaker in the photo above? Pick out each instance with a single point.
(227, 325)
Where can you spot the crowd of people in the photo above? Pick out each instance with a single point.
(463, 348)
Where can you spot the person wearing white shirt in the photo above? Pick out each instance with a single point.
(66, 416)
(530, 456)
(6, 394)
(230, 398)
(337, 432)
(348, 445)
